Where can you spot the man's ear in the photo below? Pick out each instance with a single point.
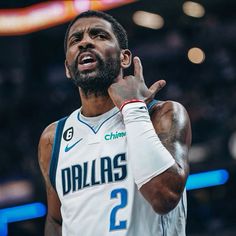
(68, 75)
(125, 58)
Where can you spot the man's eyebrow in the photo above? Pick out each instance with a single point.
(92, 29)
(77, 33)
(98, 29)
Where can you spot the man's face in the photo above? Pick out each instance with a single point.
(93, 55)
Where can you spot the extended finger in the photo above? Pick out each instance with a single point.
(138, 69)
(157, 86)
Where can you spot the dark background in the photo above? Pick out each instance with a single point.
(35, 92)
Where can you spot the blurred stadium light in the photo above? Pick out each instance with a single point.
(14, 191)
(147, 19)
(47, 14)
(207, 179)
(193, 9)
(196, 55)
(232, 145)
(19, 213)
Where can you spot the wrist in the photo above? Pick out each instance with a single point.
(124, 103)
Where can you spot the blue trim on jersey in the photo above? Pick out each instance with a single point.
(55, 151)
(182, 201)
(151, 104)
(95, 131)
(162, 225)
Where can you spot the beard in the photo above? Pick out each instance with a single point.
(96, 81)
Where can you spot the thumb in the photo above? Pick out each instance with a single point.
(157, 86)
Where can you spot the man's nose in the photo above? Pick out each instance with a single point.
(86, 42)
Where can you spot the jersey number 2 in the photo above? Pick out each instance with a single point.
(123, 195)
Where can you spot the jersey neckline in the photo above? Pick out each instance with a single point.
(96, 122)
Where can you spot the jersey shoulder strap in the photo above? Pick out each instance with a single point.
(55, 151)
(151, 104)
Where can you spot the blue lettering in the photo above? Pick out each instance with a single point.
(88, 174)
(93, 176)
(120, 163)
(106, 170)
(66, 180)
(76, 177)
(85, 184)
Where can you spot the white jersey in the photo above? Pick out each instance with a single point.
(91, 173)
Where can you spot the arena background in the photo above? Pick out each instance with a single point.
(34, 92)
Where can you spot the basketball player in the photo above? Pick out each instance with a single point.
(118, 165)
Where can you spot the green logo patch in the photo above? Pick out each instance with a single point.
(116, 135)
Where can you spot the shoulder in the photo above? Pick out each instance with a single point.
(170, 116)
(169, 110)
(45, 147)
(47, 135)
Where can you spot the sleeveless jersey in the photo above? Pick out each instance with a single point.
(91, 173)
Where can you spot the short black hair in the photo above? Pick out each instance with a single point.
(117, 28)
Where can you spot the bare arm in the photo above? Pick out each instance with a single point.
(172, 125)
(53, 220)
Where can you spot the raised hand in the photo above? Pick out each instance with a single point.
(134, 87)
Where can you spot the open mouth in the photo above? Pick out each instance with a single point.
(87, 61)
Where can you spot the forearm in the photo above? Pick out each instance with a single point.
(52, 228)
(147, 154)
(164, 191)
(160, 178)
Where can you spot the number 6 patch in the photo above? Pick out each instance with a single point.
(68, 134)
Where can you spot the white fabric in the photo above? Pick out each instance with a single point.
(98, 209)
(148, 155)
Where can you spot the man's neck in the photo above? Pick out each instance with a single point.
(95, 105)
